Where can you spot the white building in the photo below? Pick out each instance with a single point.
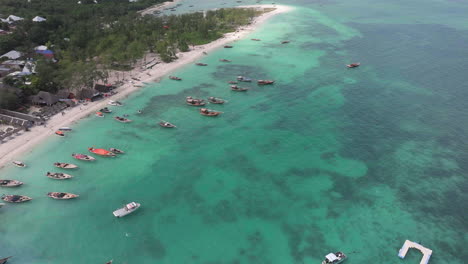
(38, 19)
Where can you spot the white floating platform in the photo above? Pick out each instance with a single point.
(409, 244)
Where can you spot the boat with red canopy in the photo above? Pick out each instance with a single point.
(101, 152)
(353, 65)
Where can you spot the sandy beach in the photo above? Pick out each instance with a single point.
(14, 148)
(150, 10)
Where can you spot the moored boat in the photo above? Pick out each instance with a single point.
(238, 89)
(195, 102)
(127, 209)
(122, 119)
(232, 82)
(208, 112)
(19, 164)
(285, 41)
(114, 103)
(166, 124)
(83, 157)
(110, 261)
(334, 258)
(116, 151)
(65, 129)
(65, 165)
(215, 100)
(353, 65)
(265, 82)
(201, 64)
(101, 152)
(62, 195)
(105, 110)
(224, 60)
(58, 175)
(59, 133)
(16, 198)
(1, 205)
(175, 78)
(243, 79)
(4, 260)
(99, 114)
(227, 46)
(255, 39)
(10, 183)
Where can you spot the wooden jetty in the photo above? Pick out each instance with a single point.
(409, 244)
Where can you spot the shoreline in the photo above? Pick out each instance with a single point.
(26, 142)
(157, 7)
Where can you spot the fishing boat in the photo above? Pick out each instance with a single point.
(195, 102)
(59, 133)
(122, 119)
(224, 60)
(83, 157)
(334, 258)
(227, 46)
(10, 183)
(265, 82)
(99, 114)
(4, 260)
(102, 152)
(114, 103)
(105, 110)
(67, 166)
(175, 78)
(127, 209)
(243, 79)
(65, 129)
(58, 175)
(16, 198)
(232, 82)
(238, 89)
(1, 205)
(62, 195)
(117, 151)
(353, 65)
(285, 41)
(166, 124)
(208, 112)
(19, 164)
(215, 100)
(110, 261)
(201, 64)
(255, 39)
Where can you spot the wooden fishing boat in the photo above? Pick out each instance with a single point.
(117, 151)
(114, 103)
(215, 100)
(238, 89)
(285, 41)
(195, 102)
(265, 82)
(122, 119)
(175, 78)
(105, 110)
(65, 129)
(16, 198)
(227, 46)
(67, 166)
(243, 79)
(62, 195)
(166, 124)
(58, 175)
(208, 112)
(224, 60)
(353, 65)
(59, 133)
(232, 82)
(19, 164)
(255, 39)
(201, 64)
(101, 152)
(83, 157)
(4, 260)
(99, 114)
(10, 183)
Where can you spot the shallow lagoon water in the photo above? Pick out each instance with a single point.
(326, 159)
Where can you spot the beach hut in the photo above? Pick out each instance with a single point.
(44, 98)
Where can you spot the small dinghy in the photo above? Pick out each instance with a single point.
(16, 198)
(265, 82)
(105, 110)
(65, 129)
(175, 78)
(238, 89)
(10, 183)
(83, 157)
(67, 166)
(285, 42)
(110, 262)
(243, 79)
(58, 175)
(334, 258)
(102, 152)
(99, 114)
(59, 133)
(256, 39)
(195, 102)
(4, 260)
(127, 209)
(166, 124)
(201, 64)
(62, 195)
(353, 65)
(215, 100)
(232, 82)
(224, 60)
(114, 103)
(122, 119)
(19, 164)
(208, 112)
(228, 46)
(116, 151)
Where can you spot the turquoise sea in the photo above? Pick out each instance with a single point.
(327, 159)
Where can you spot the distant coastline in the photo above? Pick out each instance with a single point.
(25, 143)
(158, 7)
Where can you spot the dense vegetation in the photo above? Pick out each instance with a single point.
(89, 39)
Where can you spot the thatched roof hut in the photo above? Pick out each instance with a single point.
(44, 98)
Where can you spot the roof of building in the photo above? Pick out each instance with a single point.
(41, 47)
(38, 19)
(12, 55)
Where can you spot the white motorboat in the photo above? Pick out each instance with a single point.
(115, 103)
(334, 258)
(65, 129)
(127, 209)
